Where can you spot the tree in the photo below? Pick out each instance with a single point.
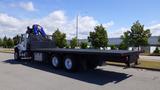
(1, 42)
(125, 39)
(137, 36)
(5, 42)
(99, 37)
(9, 43)
(16, 39)
(74, 42)
(60, 39)
(84, 45)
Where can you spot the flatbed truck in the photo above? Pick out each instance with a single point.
(41, 48)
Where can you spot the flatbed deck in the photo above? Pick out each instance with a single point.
(88, 51)
(123, 56)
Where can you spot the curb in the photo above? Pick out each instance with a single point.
(6, 52)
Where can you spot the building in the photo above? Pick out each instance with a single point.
(152, 43)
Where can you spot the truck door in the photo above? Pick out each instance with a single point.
(23, 43)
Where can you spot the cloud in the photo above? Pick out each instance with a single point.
(58, 19)
(109, 24)
(54, 20)
(11, 26)
(6, 20)
(29, 6)
(155, 29)
(117, 33)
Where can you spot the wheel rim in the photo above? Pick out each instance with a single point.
(55, 61)
(15, 55)
(68, 63)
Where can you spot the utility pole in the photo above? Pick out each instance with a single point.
(77, 30)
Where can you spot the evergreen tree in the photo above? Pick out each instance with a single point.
(16, 39)
(5, 42)
(1, 42)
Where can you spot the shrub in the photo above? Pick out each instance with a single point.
(123, 46)
(113, 47)
(84, 45)
(74, 42)
(156, 50)
(67, 46)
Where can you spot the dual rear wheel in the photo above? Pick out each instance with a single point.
(70, 64)
(58, 62)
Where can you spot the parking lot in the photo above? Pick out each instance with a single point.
(25, 75)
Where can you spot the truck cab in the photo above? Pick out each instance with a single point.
(34, 37)
(21, 47)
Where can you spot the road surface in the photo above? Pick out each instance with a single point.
(25, 75)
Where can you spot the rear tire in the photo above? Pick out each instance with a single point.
(70, 64)
(56, 61)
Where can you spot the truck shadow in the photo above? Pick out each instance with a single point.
(98, 76)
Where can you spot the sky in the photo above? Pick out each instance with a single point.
(117, 16)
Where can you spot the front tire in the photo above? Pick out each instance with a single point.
(16, 55)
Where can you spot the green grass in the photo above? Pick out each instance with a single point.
(152, 65)
(149, 64)
(155, 54)
(150, 54)
(7, 51)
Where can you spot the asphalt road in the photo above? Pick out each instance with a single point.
(25, 75)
